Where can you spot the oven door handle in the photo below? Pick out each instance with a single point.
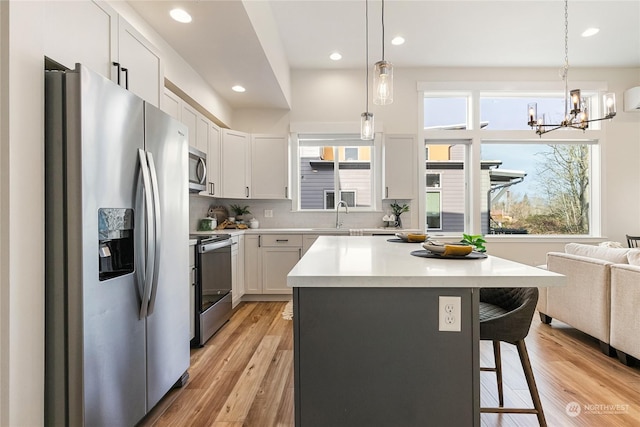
(208, 247)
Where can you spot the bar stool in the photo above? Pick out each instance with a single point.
(505, 315)
(632, 241)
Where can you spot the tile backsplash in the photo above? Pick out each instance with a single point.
(283, 217)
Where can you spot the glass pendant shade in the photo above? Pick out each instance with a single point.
(383, 83)
(366, 126)
(609, 104)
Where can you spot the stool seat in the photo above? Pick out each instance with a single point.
(489, 311)
(505, 315)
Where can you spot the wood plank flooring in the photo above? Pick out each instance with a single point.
(244, 377)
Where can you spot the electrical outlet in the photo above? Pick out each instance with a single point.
(268, 213)
(449, 314)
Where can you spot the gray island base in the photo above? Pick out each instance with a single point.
(372, 357)
(368, 345)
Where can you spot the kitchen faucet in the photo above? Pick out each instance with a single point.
(346, 208)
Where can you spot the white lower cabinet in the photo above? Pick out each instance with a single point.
(268, 260)
(192, 290)
(237, 269)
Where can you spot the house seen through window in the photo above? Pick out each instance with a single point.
(333, 165)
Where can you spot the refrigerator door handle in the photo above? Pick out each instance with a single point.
(157, 224)
(149, 244)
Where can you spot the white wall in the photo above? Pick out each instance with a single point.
(22, 321)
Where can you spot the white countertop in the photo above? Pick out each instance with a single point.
(309, 230)
(360, 261)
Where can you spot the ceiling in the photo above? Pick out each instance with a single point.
(255, 42)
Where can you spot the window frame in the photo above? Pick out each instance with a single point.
(335, 132)
(476, 135)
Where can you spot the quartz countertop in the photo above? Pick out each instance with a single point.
(310, 230)
(372, 261)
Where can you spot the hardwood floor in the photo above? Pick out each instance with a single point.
(244, 377)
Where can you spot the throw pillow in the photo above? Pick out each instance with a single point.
(615, 255)
(611, 245)
(633, 256)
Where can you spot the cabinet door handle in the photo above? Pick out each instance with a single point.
(386, 194)
(126, 77)
(117, 64)
(212, 188)
(282, 240)
(259, 241)
(247, 191)
(286, 192)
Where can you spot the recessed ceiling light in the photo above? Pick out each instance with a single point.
(590, 32)
(180, 15)
(335, 56)
(398, 40)
(238, 88)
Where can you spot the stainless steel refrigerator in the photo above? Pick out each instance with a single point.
(116, 242)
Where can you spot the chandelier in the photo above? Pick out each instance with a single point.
(382, 76)
(366, 118)
(576, 109)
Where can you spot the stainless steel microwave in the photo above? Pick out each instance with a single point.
(197, 170)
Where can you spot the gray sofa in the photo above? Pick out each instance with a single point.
(601, 292)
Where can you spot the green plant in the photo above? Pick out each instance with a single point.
(475, 240)
(240, 210)
(397, 209)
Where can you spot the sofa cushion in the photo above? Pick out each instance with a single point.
(615, 255)
(633, 256)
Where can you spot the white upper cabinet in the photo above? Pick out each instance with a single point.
(202, 134)
(93, 34)
(141, 60)
(189, 116)
(213, 161)
(269, 167)
(234, 164)
(399, 167)
(81, 32)
(171, 104)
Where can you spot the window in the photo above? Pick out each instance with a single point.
(433, 180)
(509, 112)
(335, 164)
(348, 196)
(527, 185)
(434, 210)
(532, 188)
(445, 112)
(445, 171)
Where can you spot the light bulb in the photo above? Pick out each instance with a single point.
(366, 126)
(383, 88)
(383, 83)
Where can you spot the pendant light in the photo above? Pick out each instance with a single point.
(382, 76)
(366, 118)
(578, 116)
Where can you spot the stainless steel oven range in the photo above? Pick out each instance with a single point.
(213, 286)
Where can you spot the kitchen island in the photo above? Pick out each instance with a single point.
(368, 344)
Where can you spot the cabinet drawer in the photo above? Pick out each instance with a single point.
(267, 240)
